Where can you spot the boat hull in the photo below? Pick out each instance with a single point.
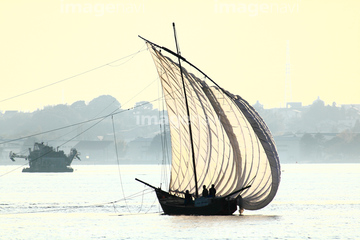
(173, 205)
(48, 169)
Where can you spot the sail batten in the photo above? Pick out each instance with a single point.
(233, 147)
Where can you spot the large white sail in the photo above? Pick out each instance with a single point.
(229, 153)
(252, 139)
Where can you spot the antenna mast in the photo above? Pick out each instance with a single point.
(188, 115)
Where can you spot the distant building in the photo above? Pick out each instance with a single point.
(137, 150)
(294, 105)
(9, 114)
(288, 146)
(348, 106)
(258, 106)
(96, 151)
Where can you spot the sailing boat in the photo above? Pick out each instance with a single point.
(216, 138)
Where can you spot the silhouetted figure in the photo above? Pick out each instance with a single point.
(188, 198)
(240, 203)
(212, 191)
(205, 192)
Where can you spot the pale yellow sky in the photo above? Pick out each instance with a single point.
(240, 44)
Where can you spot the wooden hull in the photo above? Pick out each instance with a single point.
(173, 205)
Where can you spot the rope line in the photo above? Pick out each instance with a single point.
(143, 192)
(73, 76)
(118, 164)
(94, 119)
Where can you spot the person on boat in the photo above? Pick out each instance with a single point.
(239, 201)
(212, 191)
(205, 192)
(188, 198)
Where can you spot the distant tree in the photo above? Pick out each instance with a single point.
(121, 147)
(313, 115)
(354, 147)
(103, 105)
(143, 105)
(79, 105)
(274, 121)
(160, 145)
(319, 145)
(29, 143)
(344, 146)
(352, 113)
(308, 146)
(356, 127)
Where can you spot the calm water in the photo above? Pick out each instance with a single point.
(315, 201)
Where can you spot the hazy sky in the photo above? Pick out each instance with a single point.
(239, 44)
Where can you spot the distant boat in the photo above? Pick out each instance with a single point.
(44, 158)
(225, 143)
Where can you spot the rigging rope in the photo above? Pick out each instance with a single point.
(118, 164)
(74, 76)
(94, 119)
(100, 120)
(141, 193)
(91, 120)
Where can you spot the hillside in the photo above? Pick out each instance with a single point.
(314, 133)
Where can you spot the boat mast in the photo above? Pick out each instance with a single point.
(188, 115)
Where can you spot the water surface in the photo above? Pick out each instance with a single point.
(314, 201)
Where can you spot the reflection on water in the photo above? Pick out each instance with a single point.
(96, 202)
